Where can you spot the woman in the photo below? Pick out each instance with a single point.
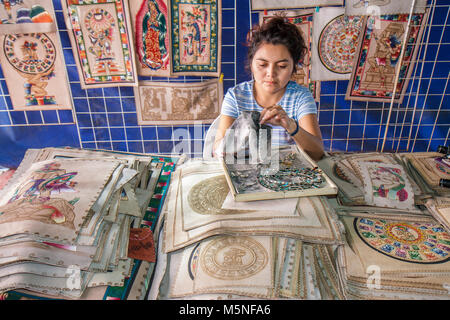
(275, 49)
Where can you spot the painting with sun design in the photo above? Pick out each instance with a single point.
(31, 56)
(101, 38)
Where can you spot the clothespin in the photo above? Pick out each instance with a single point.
(221, 78)
(265, 12)
(317, 9)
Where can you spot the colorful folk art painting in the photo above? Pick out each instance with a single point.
(37, 197)
(178, 103)
(31, 58)
(335, 41)
(100, 34)
(417, 242)
(386, 185)
(378, 54)
(52, 198)
(303, 19)
(432, 168)
(196, 37)
(26, 11)
(151, 25)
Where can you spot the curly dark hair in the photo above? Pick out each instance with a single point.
(277, 30)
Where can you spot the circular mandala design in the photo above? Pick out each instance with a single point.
(98, 21)
(337, 43)
(411, 242)
(30, 53)
(207, 196)
(233, 258)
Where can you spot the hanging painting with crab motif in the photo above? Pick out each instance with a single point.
(32, 59)
(196, 37)
(151, 26)
(100, 34)
(378, 54)
(303, 19)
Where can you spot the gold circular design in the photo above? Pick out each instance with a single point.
(404, 233)
(207, 197)
(233, 258)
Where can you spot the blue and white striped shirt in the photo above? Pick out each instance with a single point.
(297, 102)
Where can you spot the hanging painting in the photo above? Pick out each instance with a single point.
(378, 54)
(196, 37)
(334, 44)
(178, 103)
(100, 34)
(150, 21)
(379, 7)
(303, 19)
(293, 4)
(32, 59)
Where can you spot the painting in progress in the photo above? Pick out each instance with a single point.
(31, 58)
(151, 26)
(101, 39)
(196, 37)
(378, 54)
(178, 103)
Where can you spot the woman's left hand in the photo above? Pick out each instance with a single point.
(276, 116)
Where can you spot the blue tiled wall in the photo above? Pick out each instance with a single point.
(106, 118)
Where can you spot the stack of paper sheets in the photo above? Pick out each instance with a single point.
(212, 247)
(388, 259)
(65, 219)
(373, 184)
(396, 223)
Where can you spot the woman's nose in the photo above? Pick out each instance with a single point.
(271, 71)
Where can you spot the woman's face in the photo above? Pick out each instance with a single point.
(272, 67)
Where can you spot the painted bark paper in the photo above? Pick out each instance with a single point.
(386, 185)
(303, 19)
(196, 37)
(26, 11)
(31, 58)
(100, 34)
(292, 4)
(52, 197)
(178, 103)
(334, 44)
(151, 26)
(378, 7)
(377, 56)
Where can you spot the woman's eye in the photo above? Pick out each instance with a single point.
(283, 66)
